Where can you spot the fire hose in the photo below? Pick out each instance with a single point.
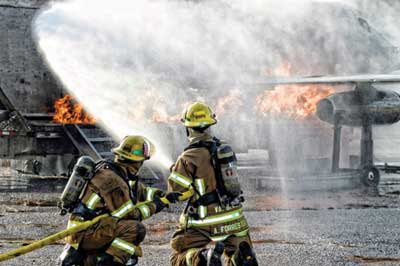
(67, 232)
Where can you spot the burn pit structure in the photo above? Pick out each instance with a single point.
(40, 149)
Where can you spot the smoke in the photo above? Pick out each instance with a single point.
(132, 62)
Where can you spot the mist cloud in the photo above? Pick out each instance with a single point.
(125, 60)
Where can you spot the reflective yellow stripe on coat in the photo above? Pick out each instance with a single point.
(132, 183)
(92, 201)
(214, 219)
(150, 192)
(145, 211)
(201, 188)
(123, 210)
(181, 180)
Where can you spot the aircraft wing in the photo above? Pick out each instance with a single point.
(369, 78)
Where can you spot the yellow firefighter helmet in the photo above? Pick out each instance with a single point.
(135, 148)
(198, 115)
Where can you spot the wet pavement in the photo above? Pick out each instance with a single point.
(332, 227)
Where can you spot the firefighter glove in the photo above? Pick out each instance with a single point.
(173, 197)
(159, 204)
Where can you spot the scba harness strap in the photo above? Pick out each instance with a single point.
(207, 199)
(130, 179)
(212, 147)
(87, 210)
(109, 164)
(221, 155)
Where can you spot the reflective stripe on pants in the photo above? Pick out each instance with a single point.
(124, 246)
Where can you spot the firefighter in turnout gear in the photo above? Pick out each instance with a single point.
(114, 189)
(214, 212)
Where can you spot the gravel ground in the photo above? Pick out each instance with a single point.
(356, 227)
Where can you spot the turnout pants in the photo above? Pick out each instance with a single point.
(188, 244)
(119, 238)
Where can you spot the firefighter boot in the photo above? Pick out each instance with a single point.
(247, 254)
(107, 260)
(132, 261)
(213, 256)
(71, 257)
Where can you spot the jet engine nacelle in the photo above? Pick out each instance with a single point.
(357, 108)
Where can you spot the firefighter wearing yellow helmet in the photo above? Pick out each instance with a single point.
(134, 148)
(114, 188)
(198, 115)
(214, 213)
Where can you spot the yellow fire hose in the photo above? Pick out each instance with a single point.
(67, 232)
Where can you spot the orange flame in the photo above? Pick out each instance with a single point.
(283, 70)
(68, 112)
(294, 101)
(233, 100)
(153, 107)
(160, 115)
(163, 117)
